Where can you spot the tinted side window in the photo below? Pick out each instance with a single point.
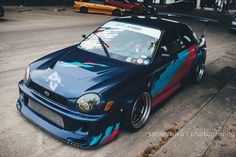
(171, 42)
(120, 1)
(186, 36)
(98, 1)
(170, 46)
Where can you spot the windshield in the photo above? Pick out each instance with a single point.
(125, 42)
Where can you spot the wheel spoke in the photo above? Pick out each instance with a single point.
(141, 110)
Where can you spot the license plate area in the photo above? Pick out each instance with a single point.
(46, 113)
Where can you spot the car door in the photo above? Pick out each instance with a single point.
(92, 6)
(171, 64)
(118, 3)
(190, 43)
(100, 7)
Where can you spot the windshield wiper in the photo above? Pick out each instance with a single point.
(103, 44)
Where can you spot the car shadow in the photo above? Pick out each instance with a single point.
(2, 19)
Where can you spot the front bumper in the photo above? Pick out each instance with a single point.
(233, 27)
(81, 130)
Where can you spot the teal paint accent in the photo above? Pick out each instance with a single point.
(117, 126)
(107, 133)
(95, 64)
(65, 64)
(169, 73)
(95, 140)
(199, 54)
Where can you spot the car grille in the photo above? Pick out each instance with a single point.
(52, 96)
(46, 113)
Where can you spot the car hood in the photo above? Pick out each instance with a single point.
(77, 72)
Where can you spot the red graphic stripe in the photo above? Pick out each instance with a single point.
(111, 136)
(164, 95)
(184, 68)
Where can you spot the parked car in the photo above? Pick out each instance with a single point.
(233, 24)
(217, 5)
(97, 6)
(130, 6)
(150, 9)
(183, 5)
(208, 4)
(116, 75)
(1, 11)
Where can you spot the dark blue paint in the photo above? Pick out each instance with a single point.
(166, 76)
(84, 72)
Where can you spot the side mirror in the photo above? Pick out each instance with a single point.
(203, 35)
(202, 42)
(84, 36)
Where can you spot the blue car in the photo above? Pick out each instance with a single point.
(112, 79)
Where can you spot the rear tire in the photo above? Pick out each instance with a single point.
(116, 12)
(135, 11)
(232, 31)
(84, 10)
(137, 115)
(199, 71)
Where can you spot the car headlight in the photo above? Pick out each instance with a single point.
(88, 102)
(27, 74)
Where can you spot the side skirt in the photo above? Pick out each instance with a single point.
(159, 98)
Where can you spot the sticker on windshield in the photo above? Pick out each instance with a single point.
(140, 61)
(108, 33)
(135, 28)
(128, 59)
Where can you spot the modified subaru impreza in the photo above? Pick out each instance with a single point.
(114, 77)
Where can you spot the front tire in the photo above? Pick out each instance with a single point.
(137, 116)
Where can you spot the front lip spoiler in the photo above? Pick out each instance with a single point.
(104, 133)
(49, 128)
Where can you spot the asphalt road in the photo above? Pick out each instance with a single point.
(27, 36)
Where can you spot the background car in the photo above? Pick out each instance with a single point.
(150, 9)
(233, 23)
(97, 6)
(183, 5)
(1, 11)
(130, 6)
(207, 3)
(115, 76)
